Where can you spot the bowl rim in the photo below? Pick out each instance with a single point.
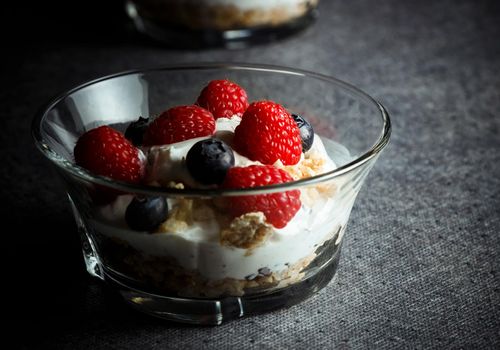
(87, 176)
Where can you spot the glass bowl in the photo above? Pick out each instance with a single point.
(226, 23)
(195, 268)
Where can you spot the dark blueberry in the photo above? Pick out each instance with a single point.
(135, 131)
(146, 213)
(209, 160)
(306, 132)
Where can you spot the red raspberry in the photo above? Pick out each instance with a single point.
(279, 207)
(179, 124)
(268, 133)
(223, 98)
(107, 152)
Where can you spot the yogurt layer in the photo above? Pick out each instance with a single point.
(198, 248)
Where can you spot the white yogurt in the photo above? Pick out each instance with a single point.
(198, 248)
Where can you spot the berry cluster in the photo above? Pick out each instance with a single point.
(267, 133)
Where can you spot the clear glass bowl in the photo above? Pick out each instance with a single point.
(188, 273)
(226, 23)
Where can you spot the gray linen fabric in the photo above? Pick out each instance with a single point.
(420, 264)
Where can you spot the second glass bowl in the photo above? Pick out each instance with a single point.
(227, 23)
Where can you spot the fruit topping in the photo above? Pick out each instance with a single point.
(178, 124)
(135, 131)
(209, 160)
(268, 133)
(146, 213)
(106, 152)
(279, 207)
(223, 98)
(306, 132)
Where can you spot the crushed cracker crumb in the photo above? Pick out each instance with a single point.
(246, 231)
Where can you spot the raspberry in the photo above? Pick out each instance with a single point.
(268, 133)
(223, 98)
(179, 124)
(279, 207)
(107, 152)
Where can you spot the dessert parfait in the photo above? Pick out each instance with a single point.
(213, 246)
(225, 14)
(220, 16)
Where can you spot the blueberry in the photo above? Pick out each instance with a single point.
(135, 131)
(146, 213)
(306, 132)
(209, 160)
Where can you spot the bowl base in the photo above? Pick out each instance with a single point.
(215, 311)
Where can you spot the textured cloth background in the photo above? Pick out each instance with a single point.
(420, 264)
